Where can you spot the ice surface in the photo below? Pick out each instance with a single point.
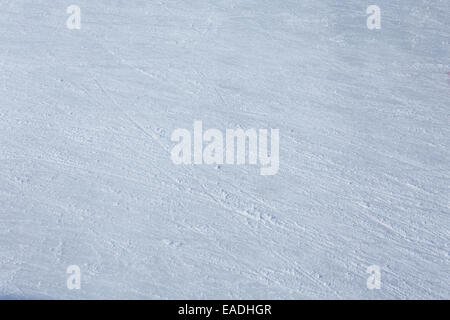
(86, 177)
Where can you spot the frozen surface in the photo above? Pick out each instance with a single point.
(85, 171)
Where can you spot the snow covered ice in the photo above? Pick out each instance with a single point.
(86, 178)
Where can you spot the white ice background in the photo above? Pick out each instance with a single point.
(86, 177)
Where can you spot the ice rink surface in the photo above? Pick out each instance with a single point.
(86, 178)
